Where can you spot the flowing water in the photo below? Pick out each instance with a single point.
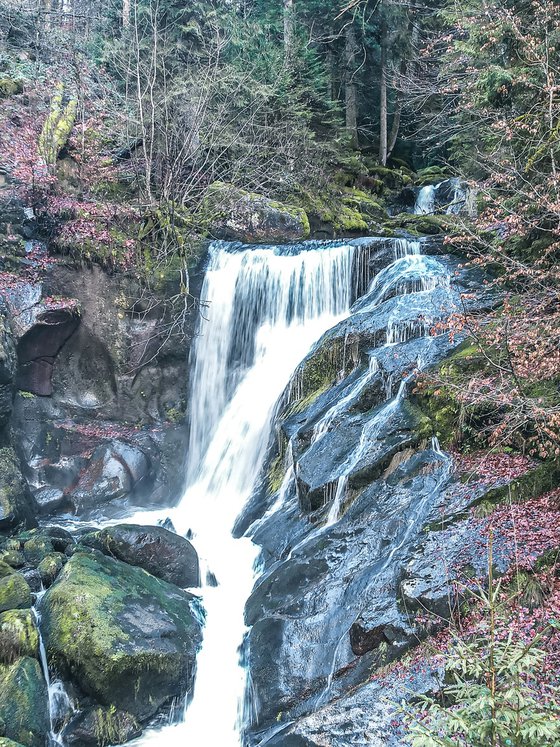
(266, 309)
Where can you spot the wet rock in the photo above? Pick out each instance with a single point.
(37, 548)
(15, 593)
(119, 634)
(253, 218)
(48, 499)
(18, 636)
(49, 568)
(98, 727)
(33, 578)
(24, 702)
(9, 743)
(162, 553)
(15, 500)
(114, 471)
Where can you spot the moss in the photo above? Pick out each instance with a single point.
(58, 126)
(545, 477)
(14, 593)
(391, 178)
(9, 743)
(316, 374)
(18, 636)
(37, 548)
(13, 491)
(113, 727)
(103, 623)
(50, 566)
(10, 87)
(430, 225)
(24, 702)
(5, 569)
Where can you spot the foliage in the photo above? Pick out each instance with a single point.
(492, 695)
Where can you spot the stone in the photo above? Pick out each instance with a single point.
(253, 218)
(24, 704)
(15, 501)
(119, 634)
(162, 553)
(50, 567)
(37, 548)
(98, 727)
(18, 636)
(15, 593)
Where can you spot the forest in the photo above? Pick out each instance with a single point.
(280, 373)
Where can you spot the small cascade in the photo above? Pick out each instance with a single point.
(60, 705)
(425, 200)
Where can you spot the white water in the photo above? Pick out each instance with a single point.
(274, 306)
(60, 705)
(425, 201)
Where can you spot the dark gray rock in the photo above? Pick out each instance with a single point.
(162, 553)
(97, 727)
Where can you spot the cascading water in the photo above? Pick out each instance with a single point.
(266, 309)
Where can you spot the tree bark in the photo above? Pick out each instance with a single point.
(126, 14)
(288, 29)
(351, 90)
(383, 98)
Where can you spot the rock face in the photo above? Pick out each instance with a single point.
(96, 727)
(119, 634)
(16, 505)
(89, 365)
(253, 218)
(160, 552)
(362, 482)
(24, 703)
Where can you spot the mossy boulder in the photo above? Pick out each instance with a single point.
(24, 703)
(10, 87)
(162, 553)
(15, 593)
(9, 743)
(119, 634)
(50, 566)
(14, 496)
(36, 549)
(18, 636)
(244, 216)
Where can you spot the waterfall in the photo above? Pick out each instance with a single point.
(425, 201)
(266, 308)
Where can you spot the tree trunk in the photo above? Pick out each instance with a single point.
(351, 91)
(383, 98)
(126, 14)
(288, 29)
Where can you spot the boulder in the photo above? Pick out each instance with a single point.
(50, 567)
(15, 501)
(119, 634)
(252, 218)
(162, 553)
(18, 636)
(97, 727)
(24, 703)
(114, 471)
(15, 593)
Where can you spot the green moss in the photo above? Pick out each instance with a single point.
(24, 702)
(58, 126)
(13, 490)
(18, 636)
(50, 566)
(112, 726)
(422, 224)
(316, 374)
(10, 87)
(37, 548)
(98, 619)
(14, 593)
